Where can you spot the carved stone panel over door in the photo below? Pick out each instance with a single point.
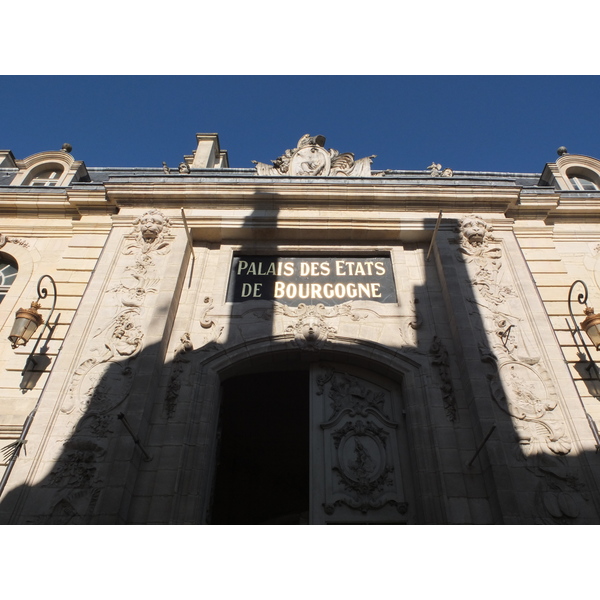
(360, 467)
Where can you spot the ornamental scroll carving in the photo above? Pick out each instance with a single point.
(4, 239)
(518, 380)
(361, 451)
(310, 158)
(102, 381)
(519, 383)
(179, 360)
(441, 360)
(311, 327)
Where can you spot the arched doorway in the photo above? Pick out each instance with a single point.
(262, 471)
(322, 444)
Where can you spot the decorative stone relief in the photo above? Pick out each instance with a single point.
(210, 340)
(4, 239)
(441, 360)
(520, 391)
(310, 158)
(360, 445)
(408, 329)
(436, 170)
(103, 380)
(311, 329)
(185, 345)
(351, 394)
(361, 465)
(205, 322)
(149, 235)
(74, 508)
(559, 495)
(519, 383)
(76, 469)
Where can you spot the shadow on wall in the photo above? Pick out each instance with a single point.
(485, 432)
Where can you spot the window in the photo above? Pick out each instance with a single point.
(583, 184)
(54, 168)
(46, 178)
(8, 273)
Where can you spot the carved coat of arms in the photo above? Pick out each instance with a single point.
(310, 158)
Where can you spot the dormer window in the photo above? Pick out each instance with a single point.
(583, 184)
(47, 178)
(573, 172)
(49, 169)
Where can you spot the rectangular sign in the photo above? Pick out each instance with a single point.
(311, 279)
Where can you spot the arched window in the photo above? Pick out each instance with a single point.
(583, 184)
(45, 177)
(8, 273)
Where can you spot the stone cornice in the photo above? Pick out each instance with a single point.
(344, 194)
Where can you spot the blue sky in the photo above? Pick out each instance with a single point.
(478, 123)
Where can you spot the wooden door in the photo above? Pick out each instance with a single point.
(360, 465)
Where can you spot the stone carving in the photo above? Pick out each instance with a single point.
(76, 468)
(348, 393)
(441, 360)
(185, 345)
(436, 170)
(103, 380)
(509, 341)
(310, 158)
(4, 239)
(559, 494)
(519, 391)
(184, 168)
(210, 341)
(166, 167)
(310, 329)
(475, 232)
(73, 508)
(205, 322)
(518, 381)
(408, 330)
(149, 234)
(362, 467)
(360, 445)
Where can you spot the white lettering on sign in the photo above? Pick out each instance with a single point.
(329, 280)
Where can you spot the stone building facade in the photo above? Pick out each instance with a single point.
(306, 341)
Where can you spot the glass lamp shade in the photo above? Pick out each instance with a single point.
(27, 320)
(591, 325)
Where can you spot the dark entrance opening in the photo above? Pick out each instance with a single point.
(263, 464)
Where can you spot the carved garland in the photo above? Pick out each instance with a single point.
(102, 381)
(519, 383)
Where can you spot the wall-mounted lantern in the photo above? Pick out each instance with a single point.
(591, 326)
(591, 323)
(27, 320)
